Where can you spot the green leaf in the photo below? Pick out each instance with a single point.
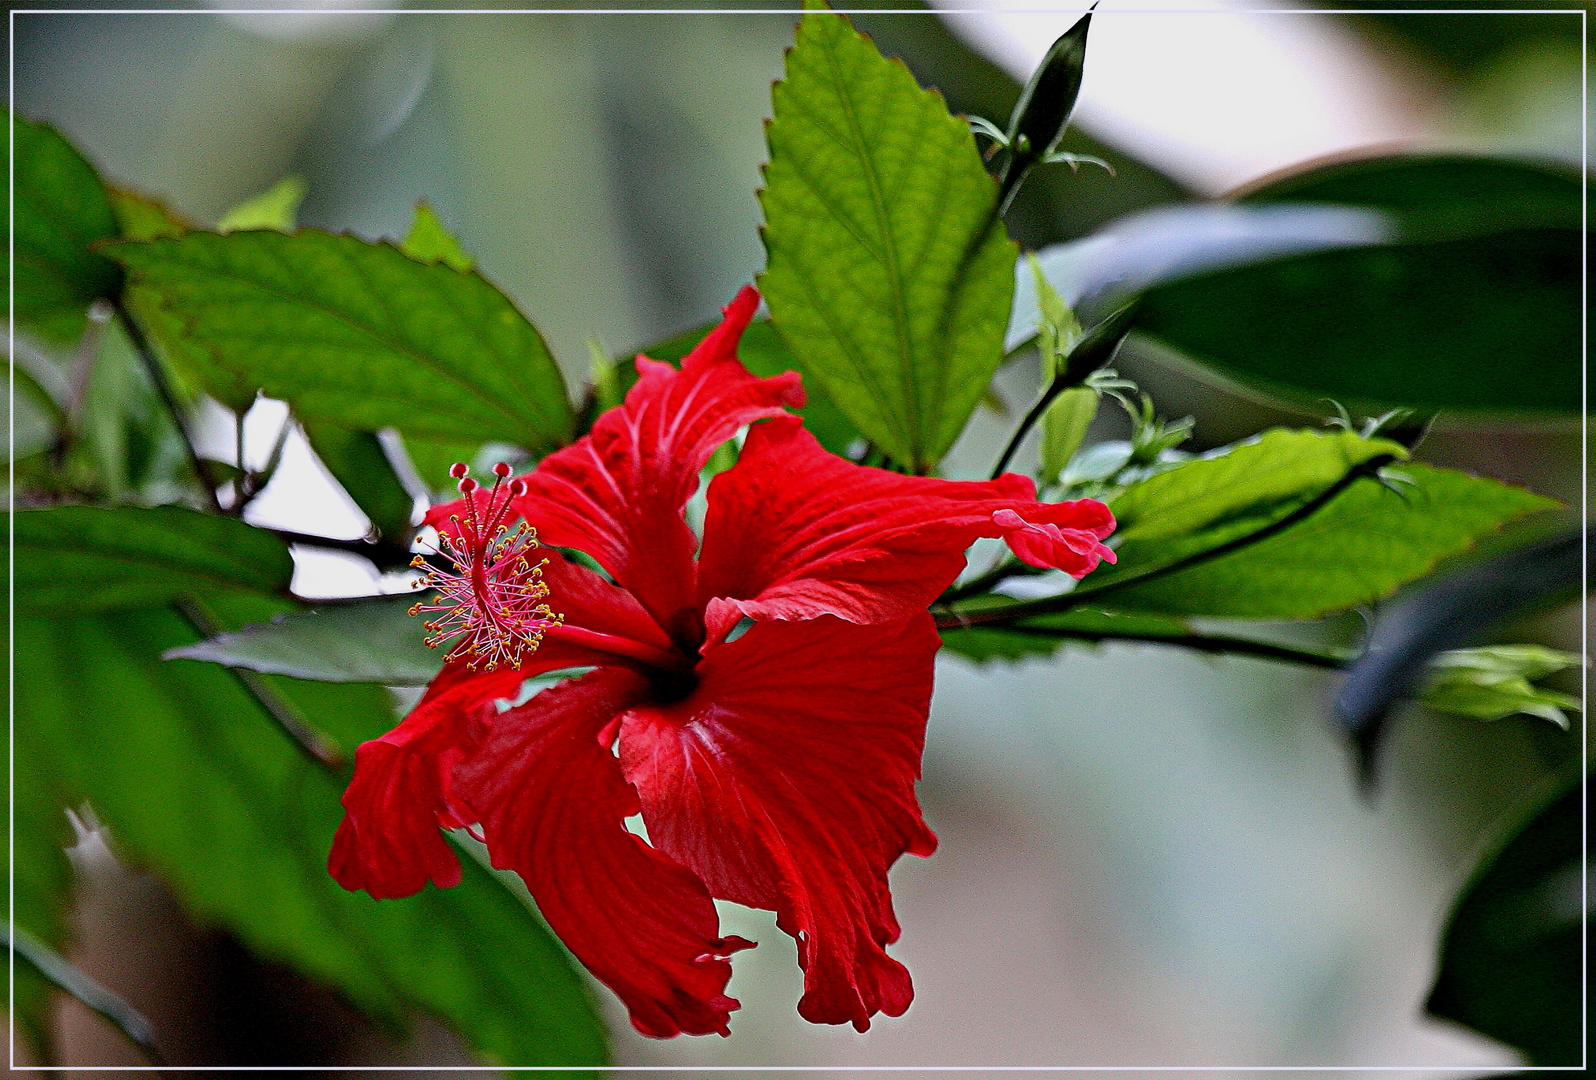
(74, 559)
(432, 460)
(889, 274)
(1475, 306)
(429, 242)
(1196, 506)
(355, 334)
(1494, 681)
(142, 218)
(358, 461)
(61, 211)
(1439, 196)
(764, 354)
(1362, 545)
(276, 208)
(197, 784)
(1511, 957)
(373, 641)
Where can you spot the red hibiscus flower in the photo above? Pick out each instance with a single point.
(774, 766)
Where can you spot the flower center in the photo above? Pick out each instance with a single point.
(491, 604)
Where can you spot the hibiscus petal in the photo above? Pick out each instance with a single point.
(618, 493)
(1064, 536)
(389, 842)
(786, 781)
(552, 804)
(794, 531)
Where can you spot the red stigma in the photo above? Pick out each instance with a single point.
(491, 603)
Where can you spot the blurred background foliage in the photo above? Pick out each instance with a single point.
(1147, 856)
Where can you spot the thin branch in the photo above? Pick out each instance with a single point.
(1005, 569)
(1092, 352)
(385, 554)
(288, 717)
(1216, 644)
(69, 979)
(163, 387)
(1053, 604)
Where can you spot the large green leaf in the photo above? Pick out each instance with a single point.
(1511, 957)
(353, 333)
(198, 785)
(61, 211)
(1199, 505)
(1439, 196)
(1362, 545)
(889, 274)
(1474, 306)
(72, 559)
(374, 641)
(763, 353)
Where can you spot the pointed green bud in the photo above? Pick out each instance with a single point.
(1043, 111)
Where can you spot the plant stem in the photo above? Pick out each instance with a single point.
(1093, 351)
(1075, 598)
(1219, 645)
(66, 977)
(279, 708)
(385, 554)
(1005, 569)
(163, 387)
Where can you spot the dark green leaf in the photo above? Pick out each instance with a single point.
(429, 242)
(763, 353)
(1439, 196)
(1511, 957)
(353, 333)
(1362, 545)
(73, 559)
(198, 785)
(1476, 306)
(61, 211)
(889, 274)
(358, 461)
(432, 460)
(373, 641)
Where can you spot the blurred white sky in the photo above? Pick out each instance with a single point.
(1213, 92)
